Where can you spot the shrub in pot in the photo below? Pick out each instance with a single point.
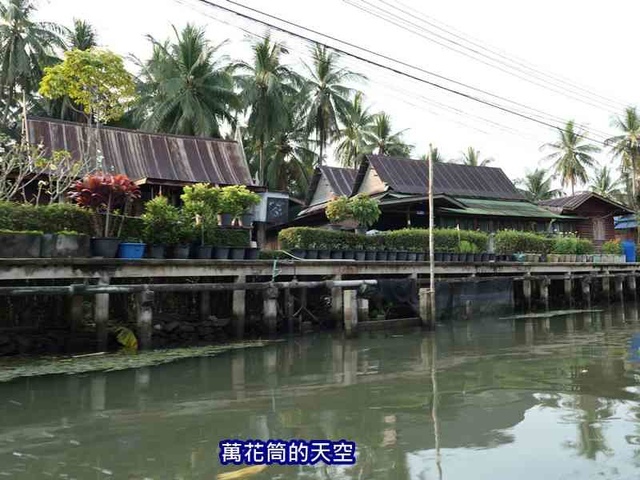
(160, 218)
(20, 243)
(365, 211)
(104, 194)
(183, 235)
(244, 199)
(339, 210)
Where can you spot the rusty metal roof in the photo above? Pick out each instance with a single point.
(340, 179)
(403, 175)
(569, 203)
(142, 155)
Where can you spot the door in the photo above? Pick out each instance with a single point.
(598, 230)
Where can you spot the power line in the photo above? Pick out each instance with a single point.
(381, 65)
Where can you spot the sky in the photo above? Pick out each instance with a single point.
(569, 43)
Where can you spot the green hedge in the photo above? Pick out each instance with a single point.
(229, 237)
(512, 241)
(445, 240)
(47, 218)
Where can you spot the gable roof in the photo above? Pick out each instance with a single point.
(403, 175)
(340, 180)
(569, 203)
(151, 156)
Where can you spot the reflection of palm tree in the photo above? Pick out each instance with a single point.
(591, 438)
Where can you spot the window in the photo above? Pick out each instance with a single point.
(598, 229)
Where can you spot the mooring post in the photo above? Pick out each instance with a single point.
(144, 312)
(586, 290)
(544, 291)
(425, 308)
(618, 285)
(568, 289)
(363, 309)
(270, 309)
(526, 290)
(606, 286)
(289, 310)
(101, 313)
(336, 302)
(239, 308)
(350, 312)
(631, 286)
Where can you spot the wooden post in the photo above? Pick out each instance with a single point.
(239, 308)
(618, 285)
(101, 314)
(544, 291)
(586, 291)
(270, 309)
(363, 309)
(144, 312)
(336, 302)
(631, 286)
(75, 312)
(350, 312)
(606, 286)
(526, 290)
(568, 289)
(425, 308)
(289, 309)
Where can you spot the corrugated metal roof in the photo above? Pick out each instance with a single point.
(572, 202)
(501, 208)
(148, 155)
(624, 222)
(411, 176)
(341, 180)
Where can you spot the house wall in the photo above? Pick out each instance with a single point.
(371, 184)
(323, 192)
(594, 210)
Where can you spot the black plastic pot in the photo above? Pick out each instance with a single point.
(392, 256)
(312, 254)
(251, 253)
(225, 219)
(370, 255)
(324, 254)
(412, 256)
(237, 253)
(491, 257)
(180, 251)
(104, 247)
(336, 255)
(382, 256)
(246, 220)
(420, 257)
(402, 256)
(220, 253)
(349, 254)
(484, 257)
(156, 251)
(361, 255)
(298, 252)
(447, 257)
(438, 257)
(204, 251)
(20, 245)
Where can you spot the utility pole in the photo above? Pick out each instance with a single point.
(432, 276)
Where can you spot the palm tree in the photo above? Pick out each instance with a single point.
(536, 186)
(328, 96)
(571, 155)
(26, 47)
(434, 155)
(266, 87)
(626, 146)
(604, 184)
(83, 36)
(186, 87)
(472, 158)
(355, 134)
(384, 142)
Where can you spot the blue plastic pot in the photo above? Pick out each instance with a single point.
(132, 251)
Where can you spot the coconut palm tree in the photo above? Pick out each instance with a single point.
(626, 146)
(83, 36)
(571, 155)
(384, 141)
(355, 134)
(603, 183)
(434, 155)
(266, 84)
(26, 47)
(472, 158)
(328, 95)
(187, 86)
(536, 186)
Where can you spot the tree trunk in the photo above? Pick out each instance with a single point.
(25, 126)
(261, 167)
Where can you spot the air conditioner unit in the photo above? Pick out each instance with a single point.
(273, 208)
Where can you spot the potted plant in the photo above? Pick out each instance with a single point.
(312, 252)
(159, 219)
(20, 243)
(230, 206)
(338, 211)
(371, 246)
(105, 194)
(132, 249)
(246, 200)
(365, 211)
(183, 235)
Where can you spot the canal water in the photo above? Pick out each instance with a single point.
(554, 398)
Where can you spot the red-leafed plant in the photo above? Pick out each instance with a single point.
(105, 194)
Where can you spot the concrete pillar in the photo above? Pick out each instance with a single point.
(526, 291)
(631, 286)
(270, 309)
(606, 286)
(289, 310)
(618, 285)
(205, 305)
(239, 308)
(586, 291)
(544, 292)
(336, 302)
(363, 309)
(568, 289)
(425, 308)
(75, 312)
(144, 320)
(350, 312)
(101, 314)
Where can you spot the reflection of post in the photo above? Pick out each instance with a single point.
(606, 286)
(237, 373)
(239, 308)
(546, 325)
(337, 356)
(619, 290)
(144, 312)
(526, 291)
(528, 332)
(568, 289)
(434, 405)
(571, 323)
(544, 292)
(608, 319)
(586, 291)
(142, 380)
(270, 309)
(633, 313)
(98, 392)
(631, 287)
(350, 363)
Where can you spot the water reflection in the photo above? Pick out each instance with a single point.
(538, 398)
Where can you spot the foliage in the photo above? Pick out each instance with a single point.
(604, 184)
(365, 210)
(584, 246)
(48, 218)
(467, 247)
(612, 247)
(126, 338)
(513, 241)
(406, 240)
(95, 79)
(160, 218)
(60, 172)
(21, 232)
(384, 142)
(536, 186)
(339, 209)
(571, 155)
(471, 158)
(355, 134)
(626, 146)
(229, 237)
(238, 199)
(83, 36)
